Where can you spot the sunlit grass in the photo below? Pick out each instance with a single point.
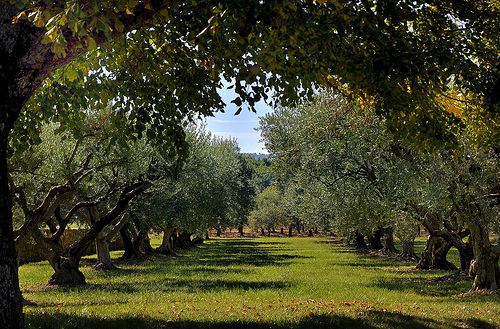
(258, 283)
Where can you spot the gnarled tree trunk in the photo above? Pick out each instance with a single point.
(484, 267)
(185, 241)
(409, 250)
(166, 247)
(104, 261)
(375, 239)
(359, 240)
(67, 273)
(389, 240)
(131, 252)
(434, 255)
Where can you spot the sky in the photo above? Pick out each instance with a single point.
(239, 126)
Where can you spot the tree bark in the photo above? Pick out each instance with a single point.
(389, 240)
(67, 273)
(409, 250)
(130, 250)
(166, 247)
(434, 255)
(185, 241)
(175, 240)
(359, 240)
(104, 261)
(484, 267)
(11, 302)
(143, 244)
(12, 100)
(375, 239)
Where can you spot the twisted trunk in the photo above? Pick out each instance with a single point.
(67, 270)
(359, 240)
(375, 239)
(434, 255)
(104, 261)
(185, 241)
(389, 240)
(484, 267)
(166, 247)
(130, 250)
(409, 249)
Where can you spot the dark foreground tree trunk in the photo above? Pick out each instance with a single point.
(11, 302)
(11, 103)
(290, 231)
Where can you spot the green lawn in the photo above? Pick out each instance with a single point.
(258, 283)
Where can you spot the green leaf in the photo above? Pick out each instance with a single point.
(91, 44)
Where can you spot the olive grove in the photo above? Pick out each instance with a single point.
(159, 62)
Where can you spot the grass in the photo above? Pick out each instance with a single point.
(258, 283)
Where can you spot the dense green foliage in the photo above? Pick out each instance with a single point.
(81, 174)
(211, 189)
(263, 174)
(342, 166)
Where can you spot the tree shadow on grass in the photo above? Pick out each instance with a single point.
(212, 262)
(246, 252)
(184, 285)
(425, 286)
(370, 320)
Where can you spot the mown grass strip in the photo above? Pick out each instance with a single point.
(258, 283)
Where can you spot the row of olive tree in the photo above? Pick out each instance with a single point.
(340, 164)
(93, 175)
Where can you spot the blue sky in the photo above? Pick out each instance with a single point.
(239, 126)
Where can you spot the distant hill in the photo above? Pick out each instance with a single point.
(257, 156)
